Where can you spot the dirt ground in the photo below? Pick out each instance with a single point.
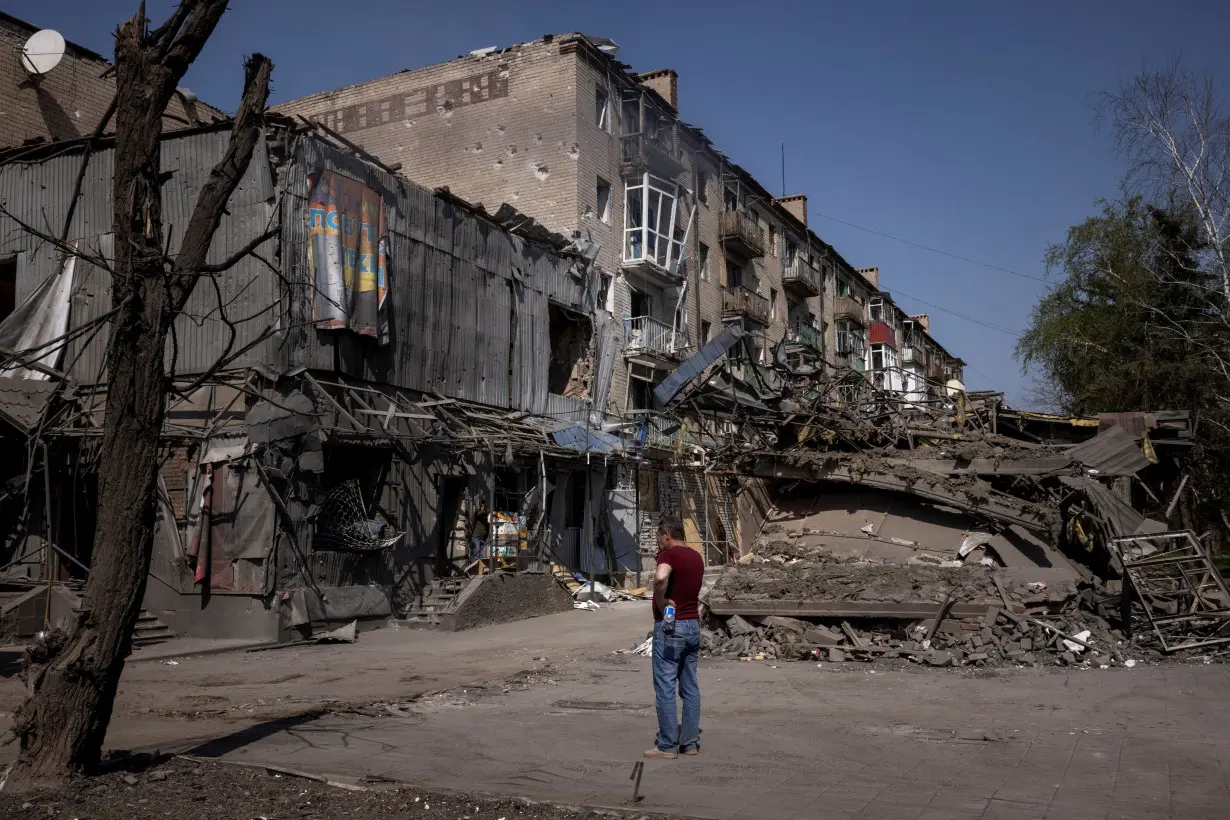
(170, 702)
(205, 791)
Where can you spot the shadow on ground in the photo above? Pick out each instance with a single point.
(221, 746)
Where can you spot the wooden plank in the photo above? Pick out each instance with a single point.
(912, 610)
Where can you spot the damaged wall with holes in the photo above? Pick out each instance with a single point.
(320, 475)
(464, 124)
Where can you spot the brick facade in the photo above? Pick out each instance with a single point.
(67, 102)
(522, 125)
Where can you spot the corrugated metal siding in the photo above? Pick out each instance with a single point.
(38, 194)
(469, 301)
(464, 295)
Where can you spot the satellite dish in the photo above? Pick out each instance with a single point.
(42, 52)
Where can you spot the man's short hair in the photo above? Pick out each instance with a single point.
(671, 526)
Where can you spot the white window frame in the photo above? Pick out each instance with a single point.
(662, 243)
(604, 209)
(602, 95)
(888, 356)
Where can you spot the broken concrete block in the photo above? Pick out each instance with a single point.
(836, 655)
(777, 622)
(1068, 658)
(1029, 658)
(820, 636)
(738, 626)
(991, 615)
(976, 657)
(987, 635)
(1027, 644)
(938, 658)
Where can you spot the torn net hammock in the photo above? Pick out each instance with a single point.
(343, 523)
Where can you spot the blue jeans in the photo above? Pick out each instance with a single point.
(674, 666)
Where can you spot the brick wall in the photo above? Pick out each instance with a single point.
(498, 128)
(521, 126)
(67, 102)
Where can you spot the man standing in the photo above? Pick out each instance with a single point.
(676, 646)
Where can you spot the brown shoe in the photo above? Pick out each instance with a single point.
(658, 754)
(690, 752)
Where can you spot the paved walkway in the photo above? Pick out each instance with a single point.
(800, 741)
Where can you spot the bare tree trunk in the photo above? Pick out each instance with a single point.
(73, 679)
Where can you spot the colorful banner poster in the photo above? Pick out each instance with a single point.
(348, 256)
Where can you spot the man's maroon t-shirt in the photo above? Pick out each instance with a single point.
(683, 586)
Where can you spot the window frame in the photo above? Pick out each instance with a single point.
(604, 213)
(663, 243)
(602, 108)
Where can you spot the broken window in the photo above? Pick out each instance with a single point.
(792, 253)
(734, 273)
(849, 338)
(876, 310)
(602, 108)
(706, 332)
(631, 114)
(704, 262)
(702, 186)
(641, 304)
(843, 286)
(652, 229)
(8, 286)
(569, 334)
(773, 240)
(640, 393)
(604, 200)
(730, 199)
(772, 303)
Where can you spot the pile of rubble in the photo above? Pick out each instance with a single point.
(783, 602)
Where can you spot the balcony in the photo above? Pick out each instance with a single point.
(739, 302)
(805, 333)
(911, 354)
(741, 235)
(801, 278)
(649, 271)
(657, 155)
(648, 339)
(850, 309)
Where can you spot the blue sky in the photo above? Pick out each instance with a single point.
(963, 126)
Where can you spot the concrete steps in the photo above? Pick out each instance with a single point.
(436, 600)
(150, 631)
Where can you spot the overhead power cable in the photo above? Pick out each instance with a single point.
(929, 248)
(1016, 334)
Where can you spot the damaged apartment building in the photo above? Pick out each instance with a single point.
(688, 242)
(384, 363)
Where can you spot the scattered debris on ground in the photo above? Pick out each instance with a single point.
(786, 602)
(209, 791)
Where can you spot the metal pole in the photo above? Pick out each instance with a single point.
(637, 513)
(704, 477)
(783, 169)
